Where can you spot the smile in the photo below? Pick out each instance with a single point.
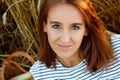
(65, 47)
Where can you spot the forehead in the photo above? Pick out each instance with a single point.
(64, 11)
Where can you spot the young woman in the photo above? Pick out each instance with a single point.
(74, 44)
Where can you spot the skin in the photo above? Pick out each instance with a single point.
(65, 29)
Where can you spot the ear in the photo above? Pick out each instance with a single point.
(86, 32)
(45, 27)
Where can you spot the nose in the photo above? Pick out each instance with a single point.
(65, 37)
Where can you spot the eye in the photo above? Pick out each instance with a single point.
(75, 27)
(56, 26)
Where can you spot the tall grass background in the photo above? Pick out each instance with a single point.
(18, 24)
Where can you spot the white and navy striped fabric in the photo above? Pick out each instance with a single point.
(78, 72)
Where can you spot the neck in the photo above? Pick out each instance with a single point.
(70, 62)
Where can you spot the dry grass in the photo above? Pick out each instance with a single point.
(18, 24)
(109, 12)
(18, 30)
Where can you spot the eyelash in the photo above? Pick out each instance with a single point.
(74, 27)
(56, 26)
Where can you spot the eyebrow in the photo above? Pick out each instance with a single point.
(55, 22)
(76, 23)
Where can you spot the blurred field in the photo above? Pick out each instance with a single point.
(18, 24)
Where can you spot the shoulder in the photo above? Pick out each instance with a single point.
(35, 65)
(115, 41)
(113, 70)
(115, 36)
(114, 66)
(36, 68)
(40, 71)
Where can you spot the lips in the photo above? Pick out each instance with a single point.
(65, 47)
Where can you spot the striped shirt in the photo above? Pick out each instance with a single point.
(40, 72)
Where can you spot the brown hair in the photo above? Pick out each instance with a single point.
(95, 48)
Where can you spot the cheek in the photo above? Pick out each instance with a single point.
(78, 40)
(52, 36)
(78, 37)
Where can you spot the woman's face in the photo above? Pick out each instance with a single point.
(65, 29)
